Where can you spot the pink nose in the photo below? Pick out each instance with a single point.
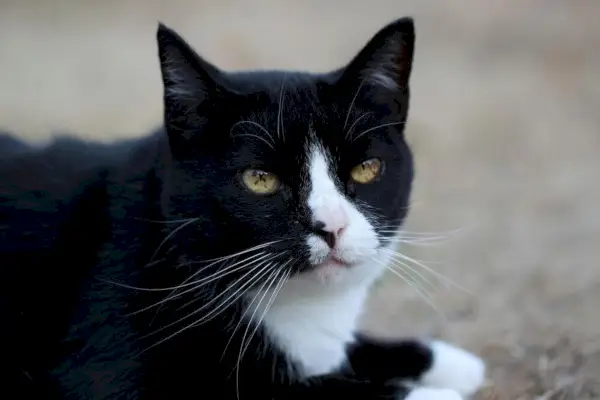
(329, 233)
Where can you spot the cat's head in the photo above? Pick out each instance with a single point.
(298, 173)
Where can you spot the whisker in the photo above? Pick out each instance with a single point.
(416, 272)
(170, 235)
(420, 234)
(214, 299)
(180, 286)
(173, 221)
(425, 267)
(414, 242)
(377, 127)
(259, 126)
(420, 291)
(356, 121)
(244, 266)
(280, 131)
(155, 262)
(351, 106)
(185, 282)
(220, 308)
(414, 285)
(259, 138)
(201, 282)
(255, 257)
(237, 366)
(257, 247)
(244, 348)
(258, 292)
(272, 298)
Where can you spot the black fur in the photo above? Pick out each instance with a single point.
(79, 222)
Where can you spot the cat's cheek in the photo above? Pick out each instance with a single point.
(359, 242)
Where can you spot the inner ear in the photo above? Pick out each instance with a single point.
(385, 62)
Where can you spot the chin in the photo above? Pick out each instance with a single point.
(351, 273)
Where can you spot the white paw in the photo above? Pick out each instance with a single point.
(433, 394)
(454, 368)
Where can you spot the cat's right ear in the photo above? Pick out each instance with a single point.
(190, 86)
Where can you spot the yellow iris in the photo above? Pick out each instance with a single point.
(367, 171)
(260, 182)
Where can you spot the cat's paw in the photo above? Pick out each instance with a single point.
(433, 394)
(454, 368)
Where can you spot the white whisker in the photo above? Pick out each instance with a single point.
(250, 322)
(377, 127)
(424, 294)
(257, 247)
(246, 311)
(417, 273)
(180, 286)
(425, 267)
(171, 234)
(211, 278)
(351, 106)
(399, 272)
(244, 348)
(350, 131)
(257, 137)
(215, 312)
(280, 130)
(270, 142)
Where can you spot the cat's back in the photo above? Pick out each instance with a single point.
(41, 186)
(54, 219)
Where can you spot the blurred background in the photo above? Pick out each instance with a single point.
(505, 124)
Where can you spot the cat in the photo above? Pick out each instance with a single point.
(228, 254)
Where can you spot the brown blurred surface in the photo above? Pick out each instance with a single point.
(505, 125)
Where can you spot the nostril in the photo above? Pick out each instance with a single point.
(329, 238)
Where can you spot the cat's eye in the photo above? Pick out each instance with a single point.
(260, 182)
(367, 171)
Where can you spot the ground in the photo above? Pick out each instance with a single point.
(504, 123)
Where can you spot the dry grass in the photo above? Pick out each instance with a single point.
(505, 126)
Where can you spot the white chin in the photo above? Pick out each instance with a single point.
(348, 276)
(328, 272)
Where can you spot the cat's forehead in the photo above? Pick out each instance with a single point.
(290, 105)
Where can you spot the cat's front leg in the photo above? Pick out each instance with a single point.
(434, 364)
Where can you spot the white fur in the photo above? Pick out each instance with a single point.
(358, 241)
(315, 314)
(454, 368)
(433, 394)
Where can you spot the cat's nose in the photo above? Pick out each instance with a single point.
(330, 234)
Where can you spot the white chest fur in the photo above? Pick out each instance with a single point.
(313, 329)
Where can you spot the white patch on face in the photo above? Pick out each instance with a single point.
(315, 315)
(357, 240)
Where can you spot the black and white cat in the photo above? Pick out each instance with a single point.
(226, 256)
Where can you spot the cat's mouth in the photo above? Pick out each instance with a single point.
(334, 261)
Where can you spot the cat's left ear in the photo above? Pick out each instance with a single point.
(384, 64)
(191, 86)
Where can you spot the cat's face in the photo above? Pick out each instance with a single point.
(308, 172)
